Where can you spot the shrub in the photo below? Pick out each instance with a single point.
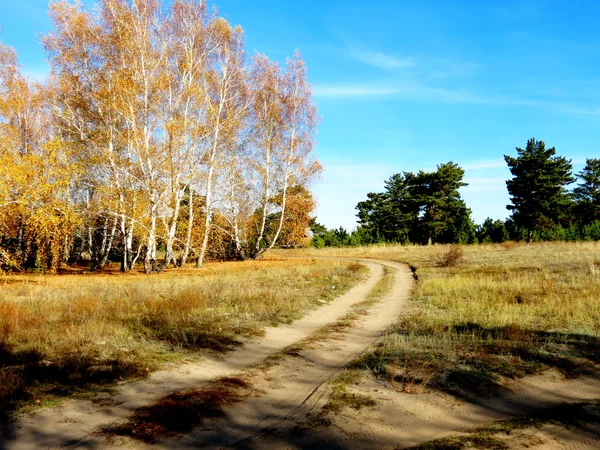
(451, 257)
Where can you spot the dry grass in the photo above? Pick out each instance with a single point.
(66, 333)
(505, 311)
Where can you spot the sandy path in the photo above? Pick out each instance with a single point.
(72, 422)
(403, 420)
(291, 390)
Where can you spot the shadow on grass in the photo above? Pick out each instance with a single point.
(480, 357)
(26, 377)
(31, 378)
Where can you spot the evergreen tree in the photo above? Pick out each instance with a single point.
(492, 231)
(538, 187)
(383, 215)
(436, 196)
(587, 193)
(374, 216)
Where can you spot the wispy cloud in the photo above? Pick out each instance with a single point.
(421, 92)
(412, 91)
(381, 60)
(354, 91)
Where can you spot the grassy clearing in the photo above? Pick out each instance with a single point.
(67, 334)
(501, 435)
(500, 311)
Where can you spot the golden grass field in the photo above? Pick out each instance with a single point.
(64, 334)
(503, 311)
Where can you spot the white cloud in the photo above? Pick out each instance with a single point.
(381, 60)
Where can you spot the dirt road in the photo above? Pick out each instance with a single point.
(75, 423)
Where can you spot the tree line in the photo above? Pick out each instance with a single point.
(426, 207)
(153, 134)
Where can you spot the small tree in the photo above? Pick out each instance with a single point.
(539, 198)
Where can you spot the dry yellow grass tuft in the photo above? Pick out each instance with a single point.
(63, 333)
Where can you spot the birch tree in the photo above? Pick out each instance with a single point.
(87, 79)
(226, 107)
(285, 119)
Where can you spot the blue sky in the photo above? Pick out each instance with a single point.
(406, 85)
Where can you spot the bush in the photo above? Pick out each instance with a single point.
(317, 242)
(451, 257)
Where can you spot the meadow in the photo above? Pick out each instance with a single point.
(62, 335)
(482, 314)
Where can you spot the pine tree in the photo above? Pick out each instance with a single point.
(587, 193)
(539, 199)
(442, 210)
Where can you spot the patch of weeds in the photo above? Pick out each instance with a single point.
(347, 377)
(410, 377)
(179, 413)
(344, 399)
(355, 267)
(340, 397)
